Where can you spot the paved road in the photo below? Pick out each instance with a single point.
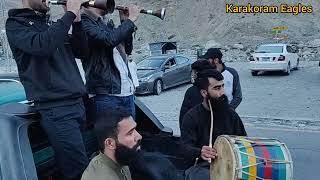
(303, 146)
(270, 99)
(287, 105)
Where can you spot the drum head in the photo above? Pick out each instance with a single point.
(224, 166)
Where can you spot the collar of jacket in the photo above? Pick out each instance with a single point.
(24, 12)
(91, 14)
(109, 162)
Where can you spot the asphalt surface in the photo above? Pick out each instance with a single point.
(269, 100)
(303, 146)
(273, 106)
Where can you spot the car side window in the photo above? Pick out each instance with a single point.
(294, 49)
(170, 63)
(181, 60)
(289, 49)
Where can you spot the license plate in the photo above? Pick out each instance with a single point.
(265, 59)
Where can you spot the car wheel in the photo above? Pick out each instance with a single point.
(157, 88)
(254, 73)
(288, 70)
(297, 65)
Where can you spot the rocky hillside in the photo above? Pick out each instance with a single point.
(205, 23)
(194, 23)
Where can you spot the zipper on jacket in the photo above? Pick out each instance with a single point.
(123, 174)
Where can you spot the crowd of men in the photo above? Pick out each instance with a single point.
(45, 55)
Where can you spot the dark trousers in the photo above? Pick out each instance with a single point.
(200, 171)
(106, 102)
(62, 125)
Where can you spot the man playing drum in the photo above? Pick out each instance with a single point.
(195, 129)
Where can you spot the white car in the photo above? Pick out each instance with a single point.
(274, 57)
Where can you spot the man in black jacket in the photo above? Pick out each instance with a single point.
(108, 79)
(45, 56)
(192, 97)
(195, 131)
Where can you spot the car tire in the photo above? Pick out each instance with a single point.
(297, 65)
(288, 70)
(157, 87)
(254, 73)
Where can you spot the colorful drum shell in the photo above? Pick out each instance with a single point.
(256, 158)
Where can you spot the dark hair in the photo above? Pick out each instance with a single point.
(213, 53)
(200, 65)
(202, 81)
(106, 125)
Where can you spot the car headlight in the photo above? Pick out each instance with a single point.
(145, 79)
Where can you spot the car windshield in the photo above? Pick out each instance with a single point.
(269, 49)
(151, 63)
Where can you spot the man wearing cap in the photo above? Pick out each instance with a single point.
(193, 97)
(231, 78)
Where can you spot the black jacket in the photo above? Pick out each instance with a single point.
(192, 97)
(102, 75)
(195, 129)
(45, 55)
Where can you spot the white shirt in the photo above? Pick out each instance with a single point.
(228, 84)
(127, 87)
(133, 71)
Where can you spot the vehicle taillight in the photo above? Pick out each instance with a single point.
(251, 58)
(281, 58)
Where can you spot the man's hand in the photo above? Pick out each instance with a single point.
(134, 12)
(74, 6)
(78, 18)
(208, 153)
(124, 15)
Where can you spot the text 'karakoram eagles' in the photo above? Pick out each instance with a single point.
(282, 8)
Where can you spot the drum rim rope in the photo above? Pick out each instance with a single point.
(266, 160)
(234, 139)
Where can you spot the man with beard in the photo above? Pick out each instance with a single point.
(195, 131)
(45, 56)
(119, 145)
(230, 75)
(192, 97)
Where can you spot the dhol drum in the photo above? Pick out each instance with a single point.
(251, 158)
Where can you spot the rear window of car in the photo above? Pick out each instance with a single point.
(269, 49)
